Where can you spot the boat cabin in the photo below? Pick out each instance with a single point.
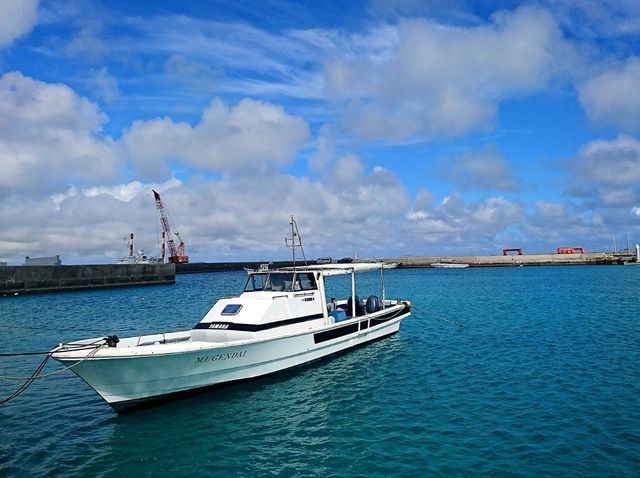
(280, 301)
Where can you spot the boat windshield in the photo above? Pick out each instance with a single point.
(280, 281)
(255, 282)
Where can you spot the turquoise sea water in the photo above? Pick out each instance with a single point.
(543, 380)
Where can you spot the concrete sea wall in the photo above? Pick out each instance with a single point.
(194, 267)
(30, 279)
(587, 258)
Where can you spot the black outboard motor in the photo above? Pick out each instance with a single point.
(359, 306)
(373, 304)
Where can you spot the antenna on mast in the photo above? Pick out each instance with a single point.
(295, 241)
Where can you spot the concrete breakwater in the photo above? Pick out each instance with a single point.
(33, 279)
(30, 279)
(587, 258)
(194, 267)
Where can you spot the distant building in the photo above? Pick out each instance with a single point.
(3, 264)
(42, 261)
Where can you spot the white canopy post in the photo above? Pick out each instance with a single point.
(382, 279)
(353, 293)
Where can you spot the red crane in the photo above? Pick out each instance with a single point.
(176, 253)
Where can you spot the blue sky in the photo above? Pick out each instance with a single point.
(388, 128)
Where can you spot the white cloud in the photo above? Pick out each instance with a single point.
(497, 211)
(598, 18)
(347, 172)
(84, 224)
(126, 192)
(611, 97)
(324, 152)
(549, 212)
(89, 43)
(104, 84)
(480, 170)
(262, 63)
(411, 80)
(49, 134)
(249, 138)
(618, 197)
(184, 68)
(80, 227)
(17, 18)
(424, 200)
(564, 224)
(611, 163)
(458, 226)
(446, 81)
(240, 217)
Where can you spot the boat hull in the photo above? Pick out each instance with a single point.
(130, 381)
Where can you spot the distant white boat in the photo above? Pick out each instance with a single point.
(449, 265)
(139, 258)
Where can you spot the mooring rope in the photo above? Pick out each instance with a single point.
(436, 316)
(20, 354)
(90, 345)
(94, 347)
(28, 382)
(93, 350)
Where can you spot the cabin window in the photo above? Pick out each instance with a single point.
(231, 309)
(305, 281)
(255, 282)
(280, 282)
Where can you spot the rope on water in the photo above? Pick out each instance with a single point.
(89, 346)
(93, 347)
(20, 354)
(436, 316)
(28, 382)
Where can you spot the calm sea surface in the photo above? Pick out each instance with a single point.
(543, 380)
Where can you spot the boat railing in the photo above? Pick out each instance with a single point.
(162, 338)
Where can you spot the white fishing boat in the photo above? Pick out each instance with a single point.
(281, 319)
(449, 265)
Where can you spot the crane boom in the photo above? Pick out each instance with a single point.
(176, 253)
